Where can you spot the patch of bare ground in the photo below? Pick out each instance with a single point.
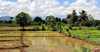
(96, 50)
(13, 28)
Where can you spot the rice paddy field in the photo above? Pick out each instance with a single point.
(40, 41)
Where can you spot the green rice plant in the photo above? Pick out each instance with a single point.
(85, 49)
(98, 27)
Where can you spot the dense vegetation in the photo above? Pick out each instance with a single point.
(73, 19)
(53, 23)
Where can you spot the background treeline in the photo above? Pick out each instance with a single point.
(71, 20)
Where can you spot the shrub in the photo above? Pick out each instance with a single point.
(98, 27)
(92, 28)
(43, 28)
(70, 26)
(9, 25)
(85, 49)
(36, 28)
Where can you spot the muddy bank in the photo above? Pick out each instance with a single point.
(13, 28)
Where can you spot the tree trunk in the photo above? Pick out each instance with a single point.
(69, 35)
(60, 29)
(23, 28)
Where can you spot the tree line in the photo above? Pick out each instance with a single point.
(73, 19)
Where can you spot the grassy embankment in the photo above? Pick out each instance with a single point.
(9, 25)
(94, 35)
(82, 33)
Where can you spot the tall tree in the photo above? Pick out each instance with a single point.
(23, 19)
(50, 18)
(68, 17)
(51, 21)
(11, 20)
(58, 19)
(73, 18)
(38, 20)
(64, 21)
(83, 18)
(59, 26)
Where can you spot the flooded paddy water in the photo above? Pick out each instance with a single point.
(41, 41)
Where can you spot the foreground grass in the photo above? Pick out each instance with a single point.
(94, 35)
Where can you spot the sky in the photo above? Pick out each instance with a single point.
(58, 8)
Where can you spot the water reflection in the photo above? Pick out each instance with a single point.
(53, 44)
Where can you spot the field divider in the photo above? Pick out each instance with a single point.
(31, 36)
(9, 36)
(43, 36)
(8, 40)
(17, 47)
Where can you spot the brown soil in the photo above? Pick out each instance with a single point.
(13, 28)
(77, 27)
(96, 50)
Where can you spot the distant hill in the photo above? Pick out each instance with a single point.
(5, 18)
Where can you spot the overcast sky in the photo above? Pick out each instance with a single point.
(43, 8)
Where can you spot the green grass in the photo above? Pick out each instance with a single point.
(94, 35)
(12, 25)
(84, 49)
(9, 25)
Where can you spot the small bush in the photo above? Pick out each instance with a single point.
(92, 28)
(47, 28)
(70, 26)
(43, 28)
(9, 25)
(98, 27)
(36, 28)
(85, 49)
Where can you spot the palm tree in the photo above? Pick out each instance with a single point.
(83, 18)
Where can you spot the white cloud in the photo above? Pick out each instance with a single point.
(22, 1)
(34, 8)
(47, 7)
(80, 5)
